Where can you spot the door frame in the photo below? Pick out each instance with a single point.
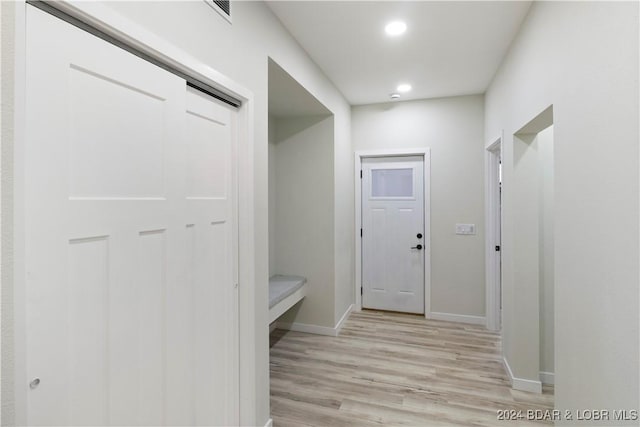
(392, 152)
(250, 310)
(493, 218)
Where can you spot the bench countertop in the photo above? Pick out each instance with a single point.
(281, 287)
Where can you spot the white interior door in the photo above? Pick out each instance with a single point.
(393, 235)
(130, 239)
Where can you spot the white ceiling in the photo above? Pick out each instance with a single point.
(450, 48)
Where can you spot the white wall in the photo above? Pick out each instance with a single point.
(544, 147)
(453, 129)
(524, 254)
(240, 51)
(344, 252)
(304, 214)
(1, 127)
(582, 58)
(272, 165)
(7, 50)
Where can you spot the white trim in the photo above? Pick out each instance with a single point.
(496, 144)
(269, 423)
(112, 23)
(460, 318)
(530, 386)
(493, 226)
(309, 329)
(358, 226)
(108, 21)
(359, 155)
(1, 255)
(280, 308)
(547, 377)
(520, 383)
(316, 329)
(507, 368)
(343, 319)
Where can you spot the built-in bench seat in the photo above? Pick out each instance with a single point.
(284, 293)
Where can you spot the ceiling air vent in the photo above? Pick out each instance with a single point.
(222, 7)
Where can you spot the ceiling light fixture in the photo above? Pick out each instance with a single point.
(395, 28)
(403, 88)
(395, 96)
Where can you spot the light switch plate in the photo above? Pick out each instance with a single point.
(466, 229)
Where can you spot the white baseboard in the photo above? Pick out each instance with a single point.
(461, 318)
(315, 329)
(520, 383)
(343, 319)
(269, 423)
(508, 369)
(547, 377)
(309, 329)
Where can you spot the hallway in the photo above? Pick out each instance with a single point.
(393, 369)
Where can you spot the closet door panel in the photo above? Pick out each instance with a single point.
(130, 239)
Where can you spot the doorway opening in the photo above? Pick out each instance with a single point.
(493, 158)
(393, 230)
(301, 200)
(533, 240)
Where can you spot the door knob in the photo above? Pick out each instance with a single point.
(418, 247)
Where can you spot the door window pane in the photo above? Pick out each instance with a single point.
(392, 182)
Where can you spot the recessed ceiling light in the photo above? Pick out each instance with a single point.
(395, 28)
(395, 96)
(404, 87)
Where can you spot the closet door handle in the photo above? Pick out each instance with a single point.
(418, 247)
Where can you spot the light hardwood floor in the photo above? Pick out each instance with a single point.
(394, 369)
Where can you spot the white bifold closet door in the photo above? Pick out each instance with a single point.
(130, 239)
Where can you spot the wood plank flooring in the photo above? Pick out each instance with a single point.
(391, 369)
